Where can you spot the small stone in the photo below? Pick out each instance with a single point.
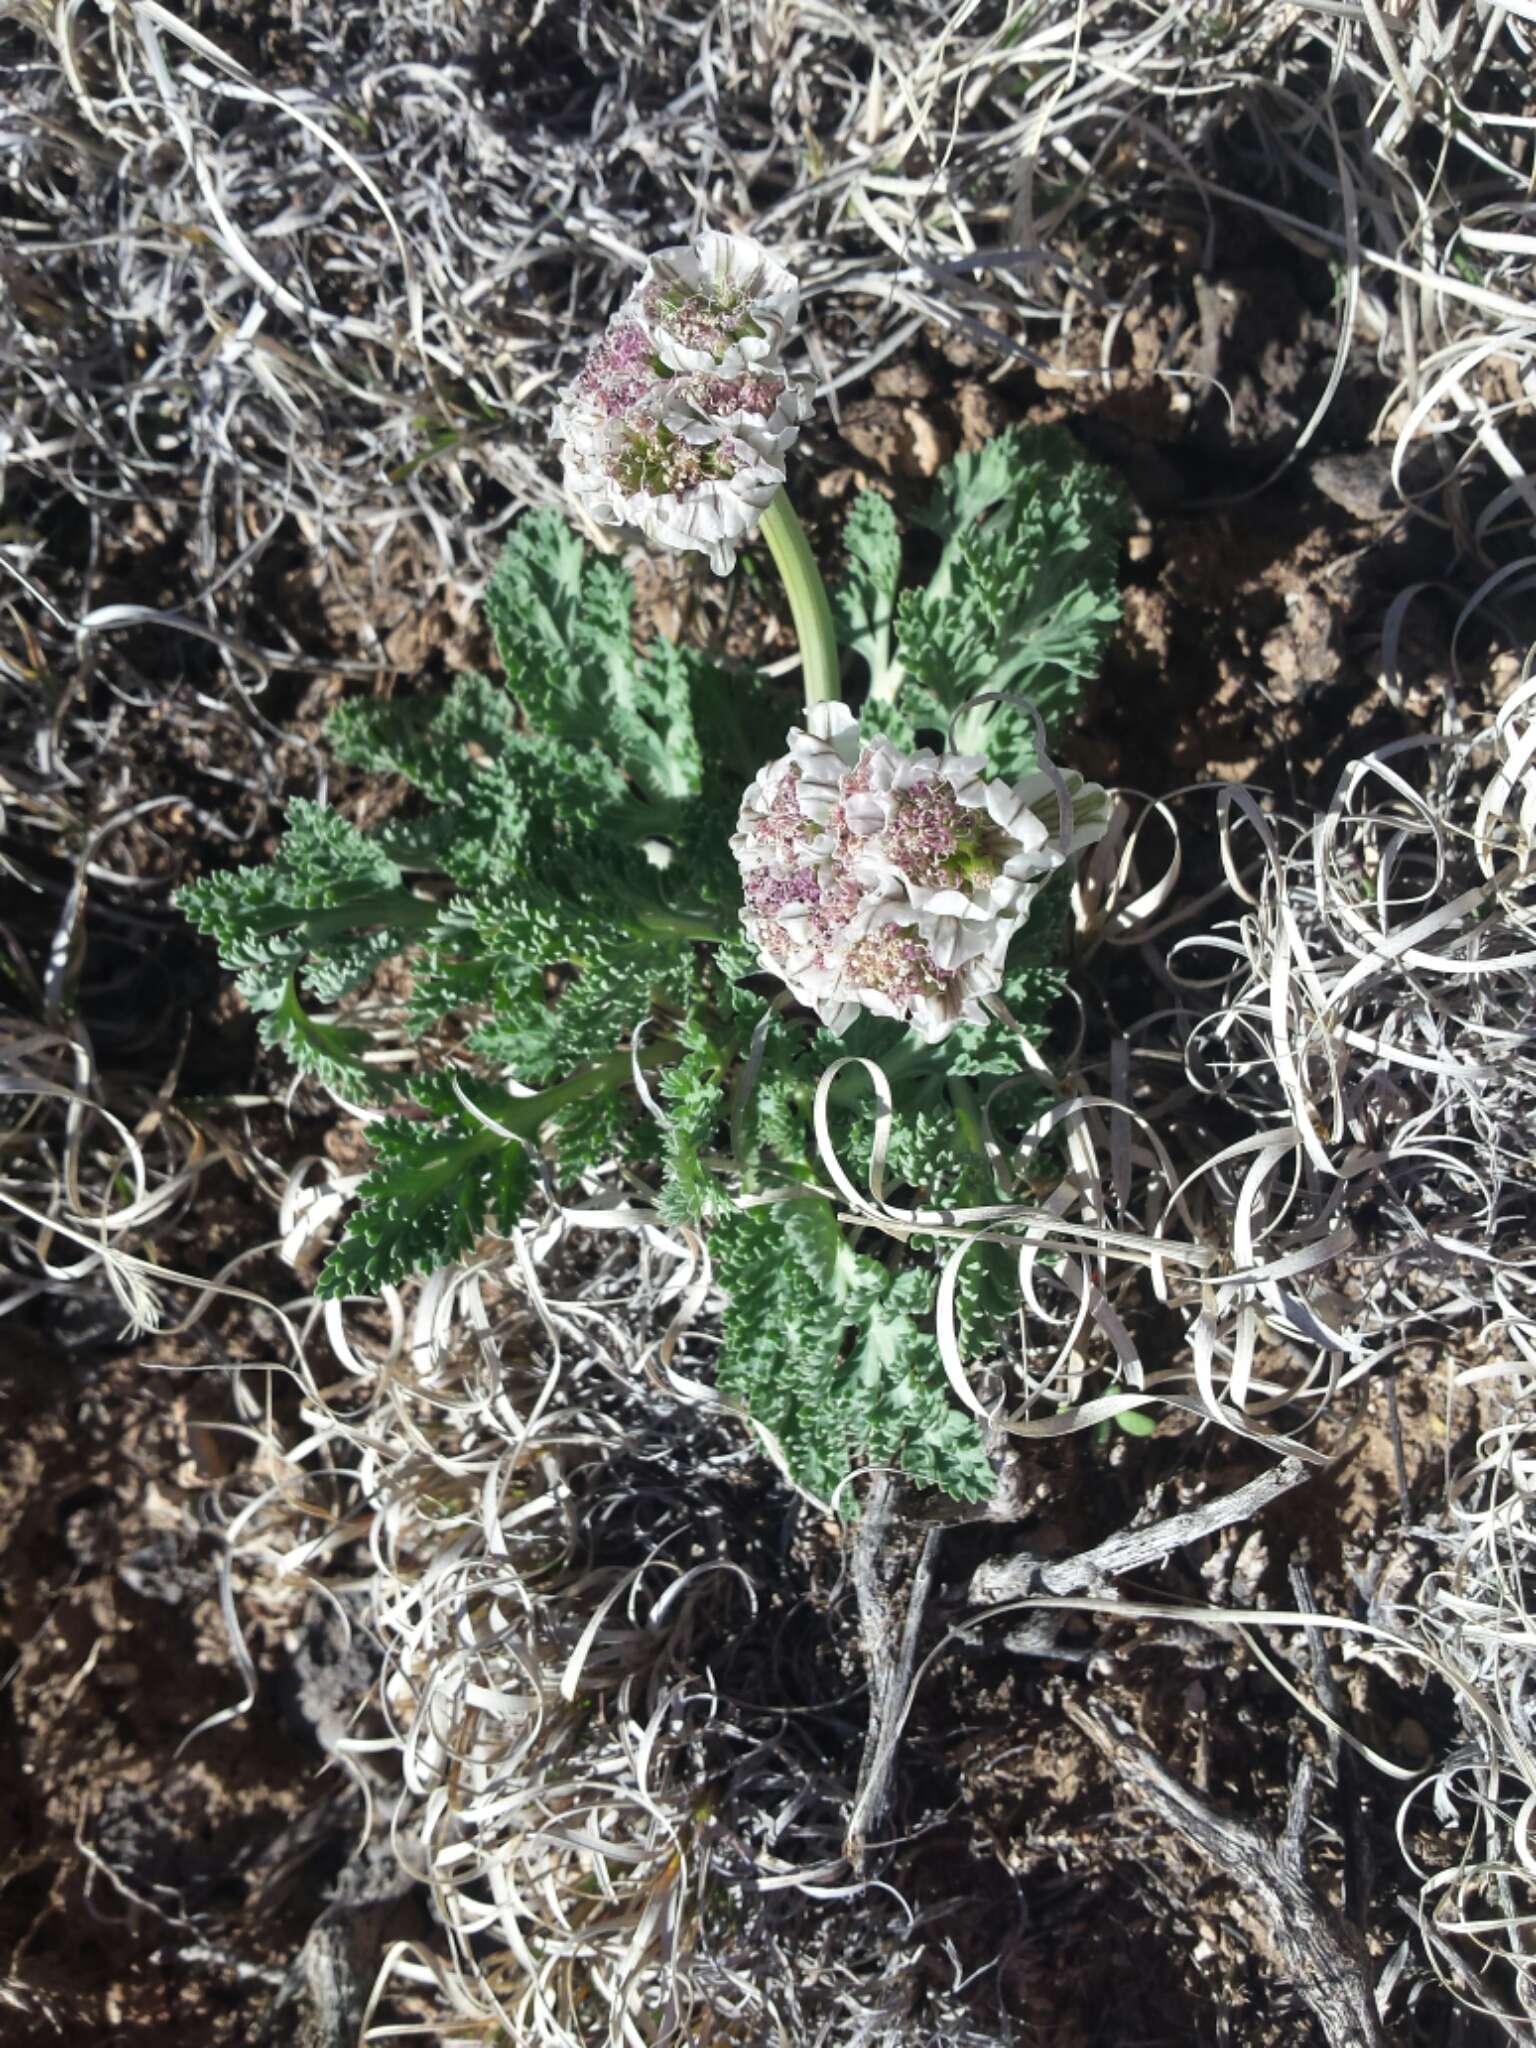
(931, 446)
(879, 430)
(1411, 1737)
(903, 380)
(962, 348)
(984, 413)
(1248, 1571)
(1361, 483)
(1301, 655)
(835, 484)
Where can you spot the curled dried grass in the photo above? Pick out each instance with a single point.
(1314, 1153)
(615, 1730)
(1466, 1827)
(332, 291)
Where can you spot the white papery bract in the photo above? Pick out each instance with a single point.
(891, 882)
(656, 468)
(721, 304)
(681, 420)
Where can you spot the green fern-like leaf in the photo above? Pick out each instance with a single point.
(1023, 600)
(829, 1350)
(330, 904)
(864, 603)
(331, 1054)
(695, 1102)
(563, 630)
(426, 1202)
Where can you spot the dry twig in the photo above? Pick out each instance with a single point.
(890, 1639)
(1316, 1950)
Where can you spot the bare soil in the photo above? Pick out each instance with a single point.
(148, 1891)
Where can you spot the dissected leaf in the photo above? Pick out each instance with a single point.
(864, 603)
(331, 1053)
(562, 624)
(506, 800)
(1023, 600)
(828, 1349)
(739, 723)
(433, 1187)
(330, 903)
(696, 1109)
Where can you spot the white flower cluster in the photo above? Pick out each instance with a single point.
(681, 418)
(892, 882)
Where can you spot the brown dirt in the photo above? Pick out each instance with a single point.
(1130, 1935)
(154, 1883)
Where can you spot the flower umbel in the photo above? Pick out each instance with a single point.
(723, 303)
(680, 420)
(877, 880)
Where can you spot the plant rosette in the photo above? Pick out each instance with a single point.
(629, 909)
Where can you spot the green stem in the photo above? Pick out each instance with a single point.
(962, 1097)
(400, 907)
(807, 600)
(602, 1076)
(677, 924)
(524, 1115)
(658, 817)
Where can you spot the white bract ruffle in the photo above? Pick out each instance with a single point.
(680, 491)
(765, 408)
(720, 303)
(891, 882)
(681, 420)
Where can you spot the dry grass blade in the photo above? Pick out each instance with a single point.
(1314, 1153)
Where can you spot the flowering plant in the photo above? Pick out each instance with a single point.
(655, 944)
